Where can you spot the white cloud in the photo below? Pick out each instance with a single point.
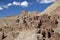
(24, 4)
(1, 8)
(16, 3)
(46, 1)
(8, 5)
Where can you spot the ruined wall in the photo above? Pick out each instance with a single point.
(46, 26)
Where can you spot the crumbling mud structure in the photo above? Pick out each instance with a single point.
(32, 25)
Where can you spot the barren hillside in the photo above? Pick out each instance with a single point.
(52, 7)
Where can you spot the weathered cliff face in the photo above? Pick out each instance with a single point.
(40, 27)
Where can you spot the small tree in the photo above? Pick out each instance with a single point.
(0, 29)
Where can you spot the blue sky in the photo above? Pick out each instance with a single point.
(14, 7)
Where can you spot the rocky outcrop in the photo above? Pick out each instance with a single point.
(33, 26)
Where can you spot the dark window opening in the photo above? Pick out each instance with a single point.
(44, 34)
(43, 39)
(52, 30)
(3, 36)
(56, 22)
(24, 20)
(49, 17)
(49, 34)
(38, 32)
(17, 20)
(39, 25)
(30, 18)
(36, 18)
